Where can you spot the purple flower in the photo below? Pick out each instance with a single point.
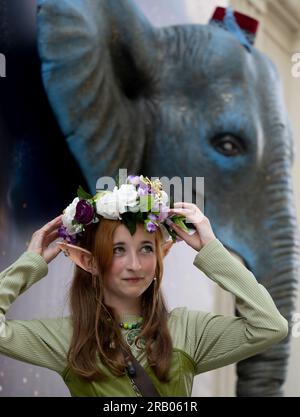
(155, 206)
(162, 216)
(163, 213)
(84, 212)
(142, 191)
(152, 217)
(144, 188)
(62, 232)
(151, 227)
(133, 179)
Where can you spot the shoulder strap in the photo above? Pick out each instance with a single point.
(139, 377)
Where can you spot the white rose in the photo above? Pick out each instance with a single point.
(164, 197)
(68, 217)
(107, 205)
(161, 200)
(128, 197)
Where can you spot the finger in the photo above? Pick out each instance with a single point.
(57, 219)
(183, 204)
(193, 207)
(199, 218)
(39, 236)
(50, 226)
(187, 237)
(51, 237)
(51, 252)
(36, 242)
(190, 215)
(179, 231)
(183, 211)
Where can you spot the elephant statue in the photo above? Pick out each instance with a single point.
(187, 101)
(34, 182)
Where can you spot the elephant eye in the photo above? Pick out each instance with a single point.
(229, 145)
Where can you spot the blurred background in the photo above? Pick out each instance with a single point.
(279, 38)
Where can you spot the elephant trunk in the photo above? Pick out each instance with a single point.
(264, 374)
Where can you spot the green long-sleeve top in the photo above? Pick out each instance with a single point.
(202, 341)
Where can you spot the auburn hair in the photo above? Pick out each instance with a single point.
(95, 325)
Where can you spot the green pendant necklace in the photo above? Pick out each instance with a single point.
(132, 331)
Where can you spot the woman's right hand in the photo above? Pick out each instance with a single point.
(42, 238)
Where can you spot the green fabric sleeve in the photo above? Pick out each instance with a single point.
(210, 340)
(214, 340)
(39, 342)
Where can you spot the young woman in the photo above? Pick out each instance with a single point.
(119, 339)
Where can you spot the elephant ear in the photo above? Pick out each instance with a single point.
(96, 58)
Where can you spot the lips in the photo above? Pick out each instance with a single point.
(132, 279)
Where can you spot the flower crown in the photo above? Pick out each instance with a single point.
(137, 200)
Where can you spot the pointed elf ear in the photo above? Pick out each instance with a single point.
(167, 246)
(81, 257)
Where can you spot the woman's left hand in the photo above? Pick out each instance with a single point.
(203, 234)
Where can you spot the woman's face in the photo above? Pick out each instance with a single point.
(133, 257)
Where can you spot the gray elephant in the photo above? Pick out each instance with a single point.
(189, 100)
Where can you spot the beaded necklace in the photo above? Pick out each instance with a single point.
(132, 330)
(129, 326)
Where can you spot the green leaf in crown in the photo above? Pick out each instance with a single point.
(129, 219)
(117, 180)
(180, 221)
(146, 203)
(83, 195)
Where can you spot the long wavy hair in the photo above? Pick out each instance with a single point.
(95, 324)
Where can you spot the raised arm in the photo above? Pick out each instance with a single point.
(218, 340)
(39, 342)
(212, 340)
